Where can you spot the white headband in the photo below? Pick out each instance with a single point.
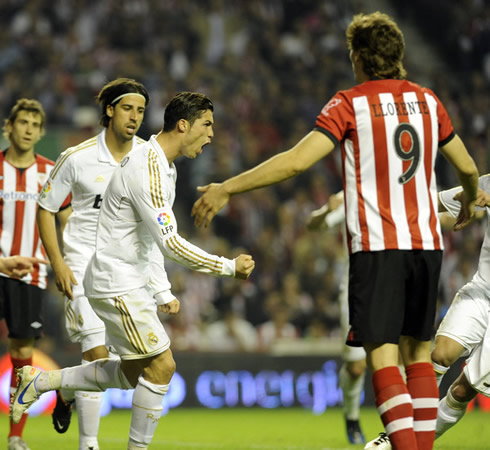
(128, 93)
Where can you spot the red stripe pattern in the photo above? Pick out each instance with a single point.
(19, 191)
(389, 132)
(395, 407)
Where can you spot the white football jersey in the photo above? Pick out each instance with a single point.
(85, 171)
(136, 214)
(482, 275)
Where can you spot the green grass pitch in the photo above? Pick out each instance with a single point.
(238, 429)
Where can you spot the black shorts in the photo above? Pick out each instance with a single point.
(21, 306)
(392, 293)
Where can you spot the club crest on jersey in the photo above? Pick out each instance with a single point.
(41, 178)
(164, 222)
(152, 339)
(331, 104)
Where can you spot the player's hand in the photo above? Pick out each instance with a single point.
(170, 308)
(64, 279)
(214, 197)
(19, 266)
(316, 219)
(467, 211)
(244, 265)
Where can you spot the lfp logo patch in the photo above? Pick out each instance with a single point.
(163, 219)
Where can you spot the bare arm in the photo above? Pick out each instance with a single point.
(63, 218)
(314, 146)
(47, 230)
(455, 152)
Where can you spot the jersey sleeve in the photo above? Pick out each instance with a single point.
(153, 205)
(55, 194)
(159, 281)
(335, 118)
(445, 129)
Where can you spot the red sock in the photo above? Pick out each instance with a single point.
(17, 428)
(395, 407)
(422, 385)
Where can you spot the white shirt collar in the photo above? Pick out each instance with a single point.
(103, 153)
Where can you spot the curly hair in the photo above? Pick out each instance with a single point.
(380, 44)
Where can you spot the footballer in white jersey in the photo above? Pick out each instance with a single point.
(137, 211)
(467, 320)
(84, 171)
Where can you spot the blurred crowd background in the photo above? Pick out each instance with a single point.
(269, 66)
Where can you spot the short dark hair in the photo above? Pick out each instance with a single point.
(24, 104)
(115, 89)
(185, 105)
(380, 44)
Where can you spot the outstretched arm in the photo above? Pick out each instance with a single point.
(282, 166)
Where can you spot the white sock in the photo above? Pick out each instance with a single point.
(351, 391)
(440, 372)
(88, 409)
(95, 376)
(67, 394)
(146, 412)
(449, 412)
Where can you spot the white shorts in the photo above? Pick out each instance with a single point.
(466, 322)
(82, 324)
(132, 324)
(349, 354)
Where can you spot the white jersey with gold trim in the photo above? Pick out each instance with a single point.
(85, 171)
(136, 214)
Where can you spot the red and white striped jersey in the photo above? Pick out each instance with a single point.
(389, 131)
(19, 191)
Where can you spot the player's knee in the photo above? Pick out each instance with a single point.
(355, 369)
(462, 392)
(161, 369)
(443, 356)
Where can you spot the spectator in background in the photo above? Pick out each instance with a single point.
(231, 333)
(277, 328)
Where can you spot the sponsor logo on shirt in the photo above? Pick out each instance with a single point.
(18, 196)
(164, 221)
(100, 179)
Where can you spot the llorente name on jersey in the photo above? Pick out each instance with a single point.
(399, 108)
(18, 196)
